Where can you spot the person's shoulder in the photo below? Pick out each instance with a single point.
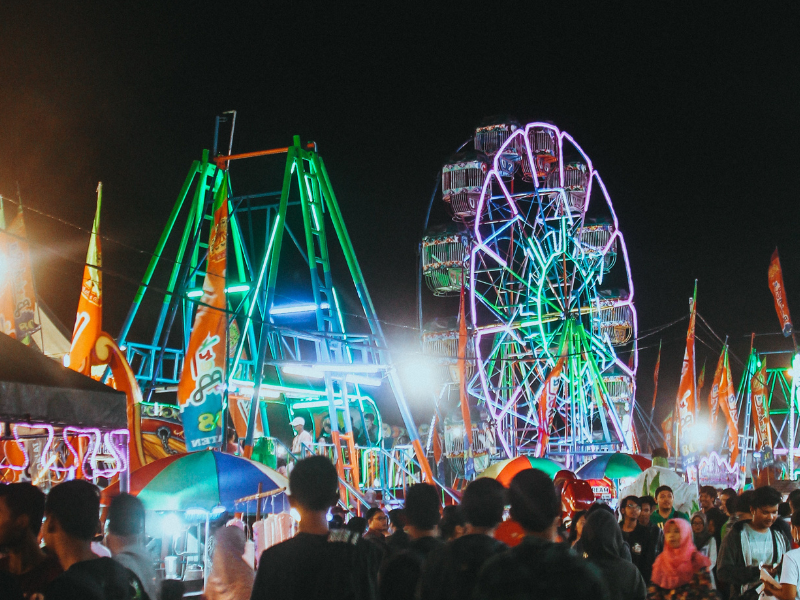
(682, 515)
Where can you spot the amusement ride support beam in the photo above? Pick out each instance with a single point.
(162, 242)
(369, 310)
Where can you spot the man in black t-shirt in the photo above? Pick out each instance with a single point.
(640, 539)
(450, 572)
(72, 513)
(317, 563)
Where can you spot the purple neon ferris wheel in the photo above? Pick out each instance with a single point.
(539, 251)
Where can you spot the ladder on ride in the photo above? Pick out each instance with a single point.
(329, 349)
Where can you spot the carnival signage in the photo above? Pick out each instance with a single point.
(716, 471)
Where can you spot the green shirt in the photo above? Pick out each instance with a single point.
(657, 519)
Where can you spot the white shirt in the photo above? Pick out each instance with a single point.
(304, 437)
(790, 572)
(760, 546)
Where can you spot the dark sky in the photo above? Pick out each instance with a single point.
(691, 117)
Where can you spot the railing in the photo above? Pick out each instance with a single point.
(387, 471)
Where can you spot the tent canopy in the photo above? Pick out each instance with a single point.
(36, 389)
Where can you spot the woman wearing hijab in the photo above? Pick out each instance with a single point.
(680, 571)
(704, 540)
(231, 577)
(602, 543)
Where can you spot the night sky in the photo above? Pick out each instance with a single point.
(692, 118)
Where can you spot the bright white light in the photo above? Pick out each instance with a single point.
(65, 360)
(302, 370)
(194, 294)
(196, 513)
(346, 367)
(362, 380)
(295, 514)
(239, 287)
(217, 511)
(302, 307)
(247, 388)
(314, 404)
(172, 525)
(796, 367)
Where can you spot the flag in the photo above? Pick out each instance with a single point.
(202, 384)
(758, 391)
(547, 406)
(6, 282)
(655, 380)
(716, 389)
(775, 275)
(687, 390)
(469, 464)
(89, 320)
(668, 426)
(25, 324)
(727, 402)
(701, 381)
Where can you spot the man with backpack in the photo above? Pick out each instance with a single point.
(751, 545)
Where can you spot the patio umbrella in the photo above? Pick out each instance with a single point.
(613, 466)
(199, 480)
(505, 470)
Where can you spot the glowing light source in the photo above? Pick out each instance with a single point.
(301, 307)
(303, 371)
(231, 289)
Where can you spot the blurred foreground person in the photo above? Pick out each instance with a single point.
(400, 573)
(680, 571)
(790, 568)
(21, 512)
(450, 572)
(316, 563)
(125, 539)
(452, 524)
(231, 577)
(602, 541)
(72, 520)
(538, 567)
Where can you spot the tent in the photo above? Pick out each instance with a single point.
(37, 389)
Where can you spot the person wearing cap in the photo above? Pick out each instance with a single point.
(125, 539)
(302, 437)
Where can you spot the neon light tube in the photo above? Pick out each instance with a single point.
(239, 287)
(194, 294)
(303, 307)
(302, 370)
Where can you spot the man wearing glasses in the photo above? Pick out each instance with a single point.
(638, 537)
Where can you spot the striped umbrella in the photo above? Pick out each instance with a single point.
(505, 470)
(199, 480)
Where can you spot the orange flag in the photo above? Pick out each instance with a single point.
(761, 423)
(713, 395)
(6, 283)
(89, 320)
(655, 380)
(775, 275)
(25, 307)
(546, 406)
(668, 427)
(202, 384)
(687, 390)
(727, 402)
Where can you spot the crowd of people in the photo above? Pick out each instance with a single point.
(735, 547)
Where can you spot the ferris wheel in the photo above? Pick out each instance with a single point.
(550, 294)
